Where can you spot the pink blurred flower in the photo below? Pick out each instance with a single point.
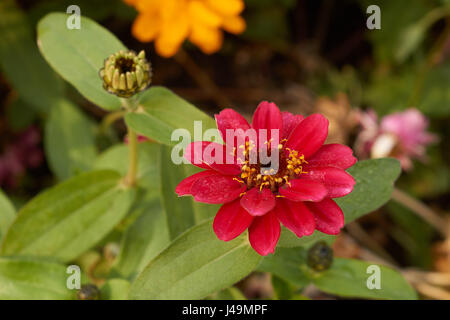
(24, 152)
(402, 135)
(139, 139)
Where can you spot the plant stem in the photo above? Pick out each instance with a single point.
(133, 158)
(110, 118)
(421, 210)
(131, 105)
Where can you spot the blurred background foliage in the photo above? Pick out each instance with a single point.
(293, 52)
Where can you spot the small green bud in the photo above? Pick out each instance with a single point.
(88, 292)
(125, 73)
(320, 256)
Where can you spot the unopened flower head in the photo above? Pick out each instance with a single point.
(88, 292)
(126, 73)
(320, 256)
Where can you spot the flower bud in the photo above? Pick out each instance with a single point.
(125, 73)
(88, 292)
(320, 256)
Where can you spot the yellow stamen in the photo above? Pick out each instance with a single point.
(236, 179)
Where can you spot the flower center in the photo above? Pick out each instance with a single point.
(263, 175)
(125, 65)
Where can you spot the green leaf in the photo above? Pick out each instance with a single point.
(32, 279)
(69, 140)
(148, 233)
(289, 239)
(7, 215)
(116, 158)
(410, 40)
(161, 112)
(283, 290)
(348, 278)
(195, 265)
(115, 289)
(78, 55)
(412, 233)
(69, 218)
(230, 293)
(286, 264)
(374, 184)
(181, 212)
(144, 239)
(21, 62)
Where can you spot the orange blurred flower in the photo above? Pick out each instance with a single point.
(170, 22)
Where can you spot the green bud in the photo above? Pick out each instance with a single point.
(320, 256)
(88, 292)
(126, 73)
(123, 82)
(130, 80)
(139, 75)
(115, 80)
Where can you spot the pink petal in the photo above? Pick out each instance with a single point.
(230, 119)
(203, 154)
(332, 155)
(184, 187)
(264, 233)
(231, 220)
(338, 182)
(267, 116)
(216, 188)
(194, 153)
(290, 121)
(296, 217)
(309, 135)
(258, 203)
(329, 217)
(304, 190)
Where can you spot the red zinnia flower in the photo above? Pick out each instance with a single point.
(299, 194)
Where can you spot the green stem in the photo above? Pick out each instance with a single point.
(133, 158)
(109, 119)
(130, 105)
